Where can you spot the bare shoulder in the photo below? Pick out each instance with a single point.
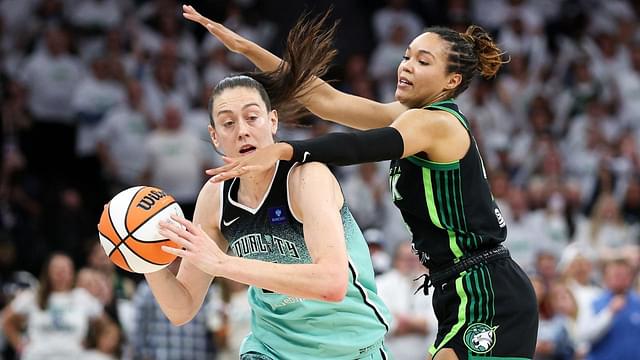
(208, 205)
(310, 174)
(312, 182)
(438, 123)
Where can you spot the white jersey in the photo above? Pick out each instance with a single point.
(58, 331)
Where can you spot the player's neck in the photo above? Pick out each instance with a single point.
(253, 187)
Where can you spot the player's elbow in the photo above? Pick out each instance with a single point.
(179, 319)
(336, 288)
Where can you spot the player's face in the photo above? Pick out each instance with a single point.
(422, 75)
(242, 122)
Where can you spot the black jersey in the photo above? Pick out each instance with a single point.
(447, 207)
(269, 232)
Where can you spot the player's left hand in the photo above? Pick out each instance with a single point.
(261, 159)
(194, 244)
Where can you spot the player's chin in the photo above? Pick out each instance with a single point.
(402, 96)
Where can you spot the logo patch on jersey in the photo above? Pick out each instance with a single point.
(500, 218)
(480, 338)
(277, 215)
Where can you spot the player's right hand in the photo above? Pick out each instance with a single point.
(229, 39)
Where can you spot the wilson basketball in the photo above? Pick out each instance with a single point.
(128, 229)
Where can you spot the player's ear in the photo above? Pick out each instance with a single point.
(454, 79)
(214, 136)
(273, 118)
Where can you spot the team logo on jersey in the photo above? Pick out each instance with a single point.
(277, 215)
(480, 338)
(500, 218)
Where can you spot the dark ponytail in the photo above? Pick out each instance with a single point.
(488, 53)
(308, 53)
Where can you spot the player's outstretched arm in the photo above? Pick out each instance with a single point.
(322, 99)
(415, 131)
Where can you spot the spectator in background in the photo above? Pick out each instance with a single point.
(365, 192)
(631, 202)
(553, 338)
(176, 163)
(51, 76)
(383, 66)
(116, 299)
(57, 315)
(379, 257)
(545, 267)
(155, 338)
(523, 233)
(104, 341)
(396, 13)
(195, 120)
(98, 93)
(120, 140)
(565, 306)
(613, 328)
(166, 83)
(414, 324)
(605, 231)
(231, 320)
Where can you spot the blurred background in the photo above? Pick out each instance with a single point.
(101, 95)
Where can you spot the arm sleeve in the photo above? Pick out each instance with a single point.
(350, 148)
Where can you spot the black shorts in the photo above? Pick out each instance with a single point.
(488, 312)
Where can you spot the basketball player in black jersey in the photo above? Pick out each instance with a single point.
(484, 302)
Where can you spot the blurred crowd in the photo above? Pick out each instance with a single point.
(100, 95)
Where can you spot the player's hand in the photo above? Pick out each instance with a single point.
(229, 39)
(260, 160)
(194, 245)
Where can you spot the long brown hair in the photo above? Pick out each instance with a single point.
(472, 53)
(308, 53)
(45, 287)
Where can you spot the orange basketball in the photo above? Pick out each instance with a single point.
(128, 229)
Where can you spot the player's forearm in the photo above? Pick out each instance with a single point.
(174, 299)
(260, 57)
(309, 281)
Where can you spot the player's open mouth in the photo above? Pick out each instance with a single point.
(247, 148)
(402, 82)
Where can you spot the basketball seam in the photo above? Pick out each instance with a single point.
(115, 247)
(140, 256)
(130, 233)
(126, 214)
(125, 258)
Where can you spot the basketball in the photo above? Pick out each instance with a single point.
(128, 229)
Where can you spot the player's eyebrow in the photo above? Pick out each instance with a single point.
(223, 111)
(423, 51)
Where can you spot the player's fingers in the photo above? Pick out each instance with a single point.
(174, 251)
(181, 241)
(172, 229)
(188, 225)
(218, 170)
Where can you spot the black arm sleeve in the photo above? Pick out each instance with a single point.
(350, 148)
